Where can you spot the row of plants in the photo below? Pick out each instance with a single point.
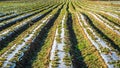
(106, 31)
(5, 14)
(97, 17)
(115, 45)
(38, 54)
(68, 57)
(60, 55)
(49, 44)
(8, 7)
(92, 6)
(115, 39)
(109, 23)
(84, 54)
(7, 17)
(13, 33)
(22, 39)
(105, 50)
(112, 19)
(13, 21)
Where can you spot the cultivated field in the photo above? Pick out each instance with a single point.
(59, 34)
